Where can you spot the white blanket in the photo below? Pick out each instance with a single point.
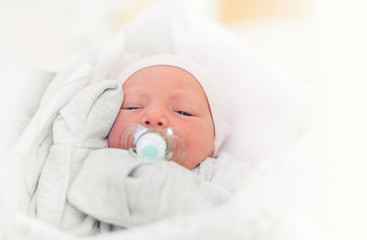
(85, 187)
(79, 127)
(267, 205)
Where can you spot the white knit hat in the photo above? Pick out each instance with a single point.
(206, 80)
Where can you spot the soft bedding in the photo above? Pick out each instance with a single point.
(80, 126)
(85, 187)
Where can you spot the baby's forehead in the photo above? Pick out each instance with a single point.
(163, 80)
(160, 74)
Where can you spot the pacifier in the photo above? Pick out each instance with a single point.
(152, 145)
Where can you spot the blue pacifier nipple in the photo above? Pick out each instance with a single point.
(149, 151)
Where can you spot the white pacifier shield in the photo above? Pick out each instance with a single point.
(151, 146)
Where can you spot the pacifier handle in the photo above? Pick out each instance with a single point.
(151, 147)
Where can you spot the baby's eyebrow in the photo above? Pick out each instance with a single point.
(185, 95)
(135, 91)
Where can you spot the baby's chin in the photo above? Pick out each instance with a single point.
(190, 162)
(189, 166)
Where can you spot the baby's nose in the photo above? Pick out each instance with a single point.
(155, 119)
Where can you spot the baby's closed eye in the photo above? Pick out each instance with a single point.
(184, 113)
(132, 105)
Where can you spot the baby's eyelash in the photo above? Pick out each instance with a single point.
(184, 113)
(131, 108)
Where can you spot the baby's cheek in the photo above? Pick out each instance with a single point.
(113, 138)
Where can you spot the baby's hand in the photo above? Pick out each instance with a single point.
(86, 121)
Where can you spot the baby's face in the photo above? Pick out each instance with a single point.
(166, 96)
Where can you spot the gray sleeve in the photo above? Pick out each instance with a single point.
(117, 189)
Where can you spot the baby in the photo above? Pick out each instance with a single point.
(160, 92)
(167, 91)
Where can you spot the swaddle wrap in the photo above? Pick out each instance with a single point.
(81, 126)
(85, 187)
